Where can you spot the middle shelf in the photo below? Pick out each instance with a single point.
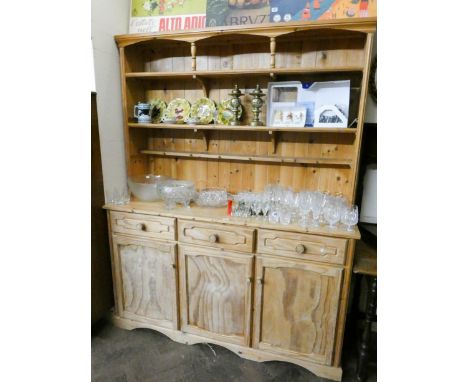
(242, 128)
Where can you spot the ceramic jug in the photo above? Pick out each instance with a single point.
(141, 111)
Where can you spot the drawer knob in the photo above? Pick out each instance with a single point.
(213, 238)
(141, 227)
(300, 249)
(323, 55)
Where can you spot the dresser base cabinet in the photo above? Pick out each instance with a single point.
(261, 300)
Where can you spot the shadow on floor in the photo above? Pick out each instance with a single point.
(143, 355)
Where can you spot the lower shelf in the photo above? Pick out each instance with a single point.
(330, 372)
(254, 158)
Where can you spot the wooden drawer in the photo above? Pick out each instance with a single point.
(155, 227)
(309, 247)
(216, 235)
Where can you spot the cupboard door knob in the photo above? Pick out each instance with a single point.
(141, 227)
(323, 55)
(213, 238)
(300, 249)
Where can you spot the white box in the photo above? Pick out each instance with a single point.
(316, 98)
(368, 213)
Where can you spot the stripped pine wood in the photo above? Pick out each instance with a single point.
(305, 247)
(301, 277)
(216, 293)
(143, 225)
(238, 73)
(296, 307)
(216, 127)
(146, 271)
(323, 371)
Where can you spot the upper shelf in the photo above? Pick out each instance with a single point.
(244, 72)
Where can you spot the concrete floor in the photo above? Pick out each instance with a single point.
(143, 355)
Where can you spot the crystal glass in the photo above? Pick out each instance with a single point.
(327, 200)
(266, 205)
(257, 206)
(212, 197)
(350, 217)
(118, 196)
(147, 187)
(316, 202)
(243, 204)
(178, 191)
(273, 216)
(285, 215)
(332, 214)
(304, 207)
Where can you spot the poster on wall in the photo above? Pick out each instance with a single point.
(237, 12)
(166, 15)
(311, 10)
(171, 15)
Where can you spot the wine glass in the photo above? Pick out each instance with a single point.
(350, 216)
(257, 206)
(273, 216)
(332, 214)
(285, 215)
(304, 208)
(316, 202)
(266, 205)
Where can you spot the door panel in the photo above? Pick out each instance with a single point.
(216, 294)
(146, 280)
(296, 305)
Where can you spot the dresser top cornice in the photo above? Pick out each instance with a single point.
(364, 25)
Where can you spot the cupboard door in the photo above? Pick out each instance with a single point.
(296, 305)
(215, 298)
(145, 280)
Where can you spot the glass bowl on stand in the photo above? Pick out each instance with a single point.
(178, 192)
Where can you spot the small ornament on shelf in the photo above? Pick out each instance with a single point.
(257, 104)
(141, 111)
(235, 105)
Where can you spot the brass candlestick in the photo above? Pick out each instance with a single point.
(257, 104)
(235, 105)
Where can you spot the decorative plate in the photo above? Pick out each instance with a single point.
(158, 107)
(179, 109)
(204, 109)
(225, 115)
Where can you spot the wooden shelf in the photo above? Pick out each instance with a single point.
(254, 158)
(244, 72)
(242, 128)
